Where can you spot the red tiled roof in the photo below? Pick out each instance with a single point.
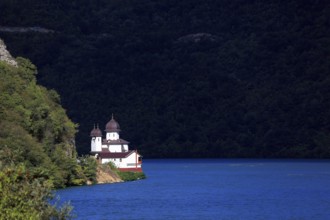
(105, 149)
(119, 141)
(114, 155)
(135, 169)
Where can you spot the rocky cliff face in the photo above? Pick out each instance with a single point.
(5, 55)
(106, 175)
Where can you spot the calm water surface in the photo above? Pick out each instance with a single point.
(212, 189)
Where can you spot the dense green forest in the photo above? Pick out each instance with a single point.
(211, 78)
(37, 147)
(34, 127)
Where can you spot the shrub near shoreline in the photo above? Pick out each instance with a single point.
(127, 176)
(23, 196)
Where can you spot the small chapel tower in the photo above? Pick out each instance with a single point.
(96, 142)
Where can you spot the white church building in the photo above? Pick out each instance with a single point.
(114, 149)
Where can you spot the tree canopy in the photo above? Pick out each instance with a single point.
(35, 130)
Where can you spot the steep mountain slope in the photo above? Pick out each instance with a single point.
(189, 78)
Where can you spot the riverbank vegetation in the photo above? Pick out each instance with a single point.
(24, 196)
(126, 176)
(131, 176)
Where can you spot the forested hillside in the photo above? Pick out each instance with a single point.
(37, 148)
(35, 130)
(211, 78)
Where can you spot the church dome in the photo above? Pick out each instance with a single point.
(112, 126)
(96, 132)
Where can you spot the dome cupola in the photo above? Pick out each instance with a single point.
(96, 132)
(112, 126)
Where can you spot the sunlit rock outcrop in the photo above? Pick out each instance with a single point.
(5, 55)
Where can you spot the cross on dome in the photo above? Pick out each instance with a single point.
(112, 125)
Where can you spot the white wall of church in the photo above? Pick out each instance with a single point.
(96, 144)
(128, 162)
(117, 161)
(131, 161)
(115, 148)
(112, 136)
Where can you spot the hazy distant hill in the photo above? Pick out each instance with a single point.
(186, 78)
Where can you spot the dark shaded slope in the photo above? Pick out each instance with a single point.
(240, 79)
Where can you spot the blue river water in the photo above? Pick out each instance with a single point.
(211, 189)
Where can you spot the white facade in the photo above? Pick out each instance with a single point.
(115, 148)
(129, 162)
(96, 144)
(112, 136)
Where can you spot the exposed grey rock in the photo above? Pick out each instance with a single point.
(25, 29)
(5, 55)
